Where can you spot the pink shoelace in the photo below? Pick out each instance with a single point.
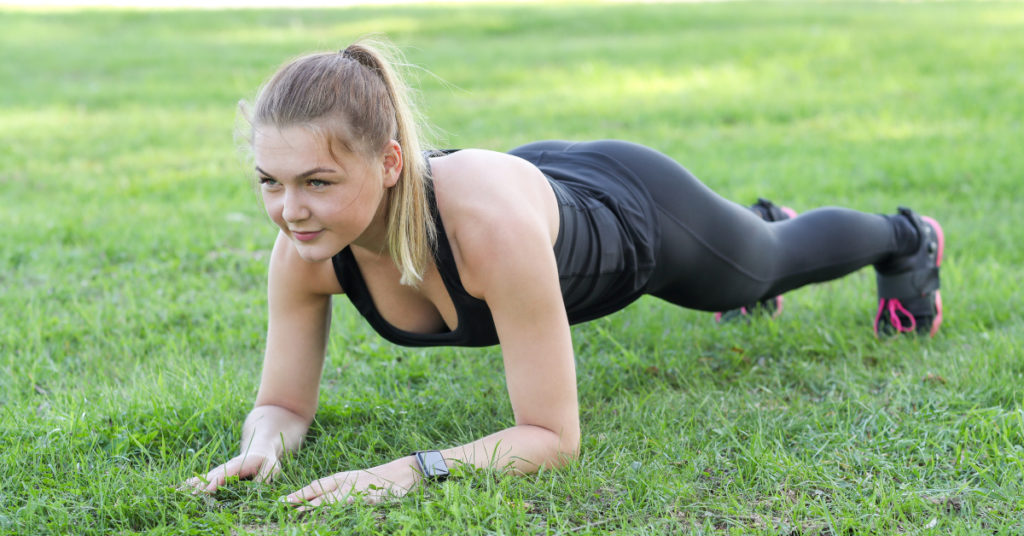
(894, 309)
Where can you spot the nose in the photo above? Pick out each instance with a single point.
(294, 209)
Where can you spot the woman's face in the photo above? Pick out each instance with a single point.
(323, 203)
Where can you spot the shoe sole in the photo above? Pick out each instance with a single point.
(941, 237)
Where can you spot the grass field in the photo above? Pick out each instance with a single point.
(134, 249)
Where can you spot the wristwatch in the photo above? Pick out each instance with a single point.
(432, 464)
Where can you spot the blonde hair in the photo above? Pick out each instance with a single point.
(357, 99)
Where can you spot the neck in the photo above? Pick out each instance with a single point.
(375, 238)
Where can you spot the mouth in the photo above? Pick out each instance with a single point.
(306, 236)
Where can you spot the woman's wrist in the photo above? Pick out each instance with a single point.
(403, 472)
(273, 429)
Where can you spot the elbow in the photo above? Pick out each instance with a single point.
(549, 449)
(568, 447)
(566, 457)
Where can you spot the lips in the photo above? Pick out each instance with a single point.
(306, 236)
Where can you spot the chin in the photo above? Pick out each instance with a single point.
(314, 253)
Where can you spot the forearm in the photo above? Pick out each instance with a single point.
(521, 449)
(273, 427)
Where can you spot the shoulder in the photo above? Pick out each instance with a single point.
(476, 188)
(472, 175)
(291, 273)
(493, 206)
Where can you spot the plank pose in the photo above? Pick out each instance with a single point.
(477, 248)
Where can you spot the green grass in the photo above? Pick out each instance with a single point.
(133, 253)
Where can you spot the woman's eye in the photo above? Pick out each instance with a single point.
(267, 181)
(317, 183)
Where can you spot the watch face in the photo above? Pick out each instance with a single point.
(432, 464)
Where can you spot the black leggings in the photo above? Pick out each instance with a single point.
(717, 255)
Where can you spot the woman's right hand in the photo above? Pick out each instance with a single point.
(299, 297)
(260, 465)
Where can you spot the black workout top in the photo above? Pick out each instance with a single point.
(605, 250)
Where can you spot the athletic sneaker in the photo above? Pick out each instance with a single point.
(908, 286)
(772, 307)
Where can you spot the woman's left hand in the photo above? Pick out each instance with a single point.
(372, 486)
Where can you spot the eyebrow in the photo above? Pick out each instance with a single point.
(302, 175)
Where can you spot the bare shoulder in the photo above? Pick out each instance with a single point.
(490, 187)
(493, 205)
(290, 272)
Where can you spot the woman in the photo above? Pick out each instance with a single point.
(478, 248)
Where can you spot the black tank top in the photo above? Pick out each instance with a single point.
(605, 251)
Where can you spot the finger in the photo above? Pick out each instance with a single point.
(388, 491)
(376, 497)
(199, 483)
(311, 505)
(328, 499)
(192, 484)
(269, 469)
(251, 464)
(314, 504)
(312, 491)
(219, 476)
(195, 483)
(318, 488)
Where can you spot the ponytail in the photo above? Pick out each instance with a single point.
(411, 233)
(359, 100)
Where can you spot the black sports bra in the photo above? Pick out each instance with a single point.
(475, 326)
(605, 251)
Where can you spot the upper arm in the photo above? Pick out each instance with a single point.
(504, 249)
(299, 305)
(525, 300)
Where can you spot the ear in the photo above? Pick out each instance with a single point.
(392, 163)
